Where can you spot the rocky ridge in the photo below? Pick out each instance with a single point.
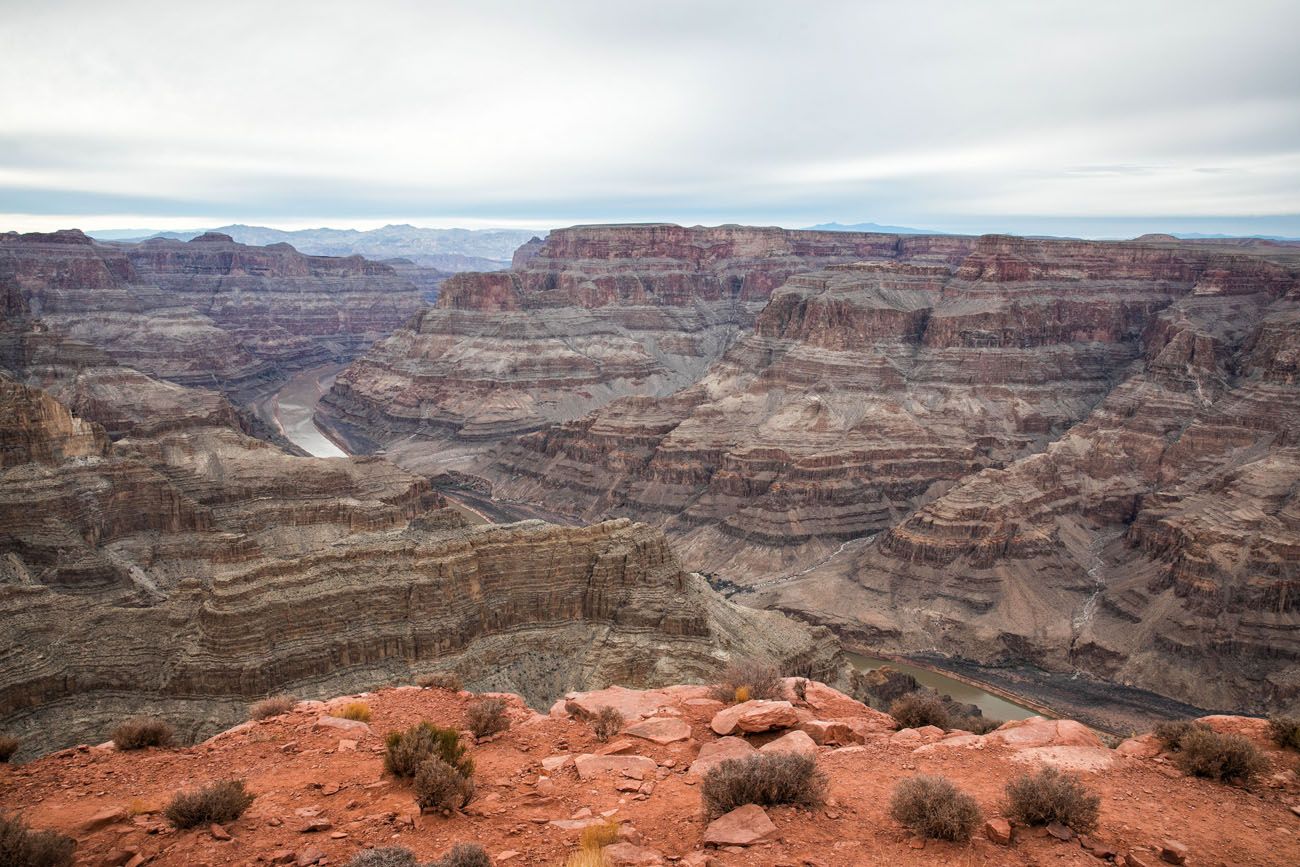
(322, 795)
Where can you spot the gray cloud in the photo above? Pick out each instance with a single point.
(960, 116)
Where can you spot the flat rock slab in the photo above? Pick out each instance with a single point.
(660, 730)
(1039, 732)
(338, 722)
(1068, 758)
(633, 704)
(755, 716)
(630, 855)
(791, 742)
(743, 826)
(590, 765)
(716, 752)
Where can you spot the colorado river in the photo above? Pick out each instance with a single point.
(992, 706)
(292, 410)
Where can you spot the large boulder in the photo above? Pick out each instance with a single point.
(755, 716)
(791, 742)
(1039, 732)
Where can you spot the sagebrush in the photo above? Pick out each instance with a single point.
(920, 708)
(608, 722)
(1048, 796)
(749, 678)
(218, 803)
(439, 786)
(406, 750)
(143, 731)
(763, 779)
(487, 717)
(1171, 733)
(272, 706)
(1285, 731)
(1227, 757)
(20, 846)
(464, 855)
(385, 856)
(933, 807)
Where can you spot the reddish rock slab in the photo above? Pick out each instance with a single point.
(633, 704)
(830, 732)
(716, 752)
(630, 855)
(999, 831)
(743, 826)
(660, 730)
(755, 716)
(791, 742)
(591, 766)
(337, 722)
(1039, 732)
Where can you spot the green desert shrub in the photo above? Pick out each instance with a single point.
(1207, 753)
(1049, 796)
(20, 846)
(486, 717)
(439, 786)
(143, 731)
(748, 678)
(1285, 731)
(406, 750)
(763, 779)
(608, 722)
(920, 708)
(933, 807)
(273, 706)
(220, 802)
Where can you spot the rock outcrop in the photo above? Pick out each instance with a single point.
(208, 311)
(592, 314)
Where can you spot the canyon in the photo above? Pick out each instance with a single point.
(1077, 456)
(157, 556)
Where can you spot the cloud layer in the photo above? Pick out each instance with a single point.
(1025, 116)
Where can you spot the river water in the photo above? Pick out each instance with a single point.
(992, 706)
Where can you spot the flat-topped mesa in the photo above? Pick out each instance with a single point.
(592, 314)
(208, 311)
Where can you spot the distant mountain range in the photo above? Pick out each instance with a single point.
(907, 230)
(871, 227)
(445, 249)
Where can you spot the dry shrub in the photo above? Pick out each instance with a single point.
(486, 717)
(1285, 731)
(407, 750)
(464, 855)
(1207, 753)
(749, 678)
(356, 710)
(143, 731)
(587, 858)
(8, 746)
(439, 786)
(440, 680)
(979, 725)
(1049, 796)
(917, 709)
(933, 807)
(598, 836)
(1171, 733)
(387, 856)
(20, 846)
(608, 722)
(801, 689)
(217, 803)
(273, 706)
(778, 778)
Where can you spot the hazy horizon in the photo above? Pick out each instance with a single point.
(1105, 120)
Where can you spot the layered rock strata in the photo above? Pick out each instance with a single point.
(592, 314)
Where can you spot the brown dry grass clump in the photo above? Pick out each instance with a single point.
(407, 750)
(598, 836)
(272, 706)
(1227, 757)
(356, 710)
(143, 731)
(20, 846)
(917, 709)
(486, 717)
(439, 786)
(385, 856)
(1171, 733)
(464, 855)
(779, 778)
(440, 680)
(748, 678)
(608, 722)
(8, 746)
(933, 807)
(1285, 731)
(218, 803)
(1052, 796)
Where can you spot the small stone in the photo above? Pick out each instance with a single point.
(743, 826)
(330, 789)
(316, 825)
(309, 856)
(1060, 832)
(916, 843)
(218, 832)
(282, 856)
(347, 746)
(999, 831)
(506, 855)
(1173, 852)
(630, 855)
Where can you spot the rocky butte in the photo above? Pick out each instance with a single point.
(1075, 455)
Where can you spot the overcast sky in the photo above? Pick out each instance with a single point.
(1096, 118)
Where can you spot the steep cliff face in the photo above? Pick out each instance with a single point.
(592, 314)
(209, 311)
